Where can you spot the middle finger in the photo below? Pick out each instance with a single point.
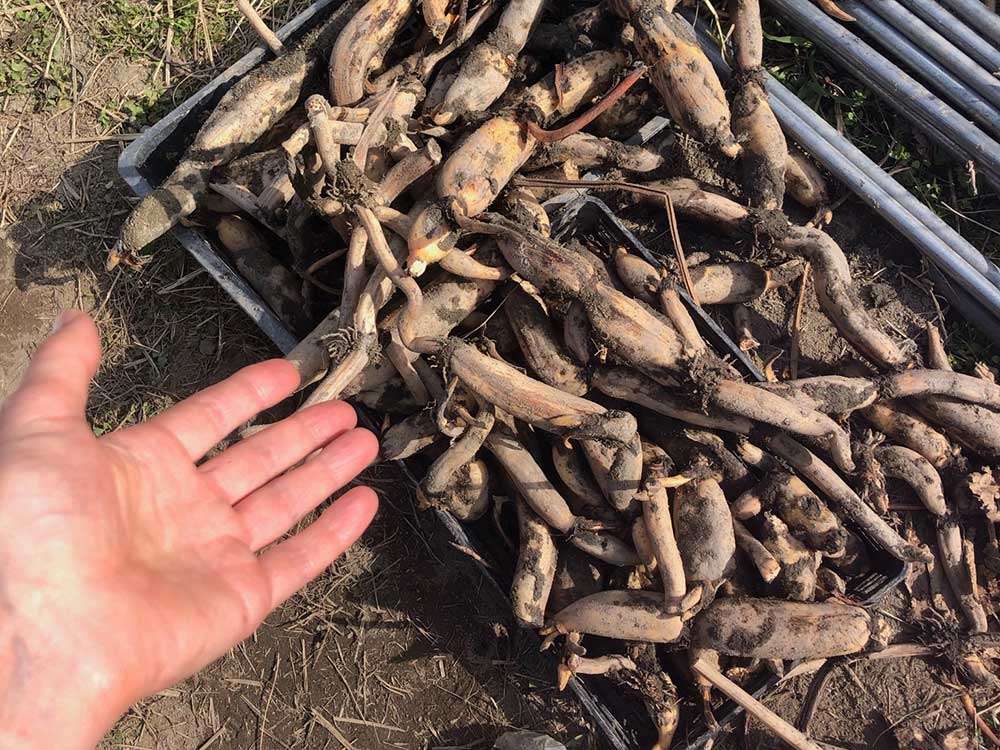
(256, 460)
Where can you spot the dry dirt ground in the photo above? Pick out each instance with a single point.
(401, 644)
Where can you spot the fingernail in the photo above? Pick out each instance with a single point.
(66, 317)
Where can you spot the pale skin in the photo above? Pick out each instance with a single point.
(126, 562)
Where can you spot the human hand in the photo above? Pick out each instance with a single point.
(124, 566)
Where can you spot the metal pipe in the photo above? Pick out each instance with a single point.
(978, 16)
(901, 91)
(958, 259)
(959, 63)
(961, 36)
(938, 241)
(965, 304)
(957, 92)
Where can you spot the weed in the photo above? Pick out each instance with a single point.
(32, 58)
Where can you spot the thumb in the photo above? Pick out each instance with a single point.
(57, 380)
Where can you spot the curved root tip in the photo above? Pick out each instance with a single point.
(836, 11)
(550, 634)
(674, 481)
(823, 216)
(115, 256)
(445, 118)
(563, 675)
(731, 150)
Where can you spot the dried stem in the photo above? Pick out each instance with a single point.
(778, 726)
(263, 31)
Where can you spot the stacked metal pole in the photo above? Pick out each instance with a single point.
(973, 281)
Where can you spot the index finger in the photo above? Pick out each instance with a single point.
(202, 420)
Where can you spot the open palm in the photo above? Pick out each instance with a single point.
(130, 564)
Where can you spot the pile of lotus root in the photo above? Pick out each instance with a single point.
(379, 184)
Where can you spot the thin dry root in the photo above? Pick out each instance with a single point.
(766, 563)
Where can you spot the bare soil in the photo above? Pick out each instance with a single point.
(403, 643)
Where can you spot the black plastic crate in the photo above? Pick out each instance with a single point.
(149, 159)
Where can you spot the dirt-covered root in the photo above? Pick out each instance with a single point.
(626, 615)
(806, 515)
(638, 276)
(729, 283)
(446, 303)
(922, 383)
(762, 406)
(244, 114)
(250, 252)
(609, 664)
(480, 167)
(835, 290)
(765, 152)
(835, 489)
(747, 504)
(778, 629)
(533, 401)
(910, 467)
(459, 453)
(797, 580)
(658, 525)
(633, 333)
(409, 436)
(973, 426)
(835, 395)
(530, 480)
(540, 344)
(952, 556)
(573, 471)
(703, 526)
(466, 495)
(488, 67)
(587, 151)
(899, 424)
(767, 564)
(438, 16)
(535, 570)
(628, 385)
(605, 547)
(361, 45)
(807, 186)
(617, 469)
(681, 73)
(576, 333)
(694, 200)
(764, 148)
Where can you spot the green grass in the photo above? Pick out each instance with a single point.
(890, 140)
(32, 57)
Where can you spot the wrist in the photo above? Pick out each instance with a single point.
(51, 699)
